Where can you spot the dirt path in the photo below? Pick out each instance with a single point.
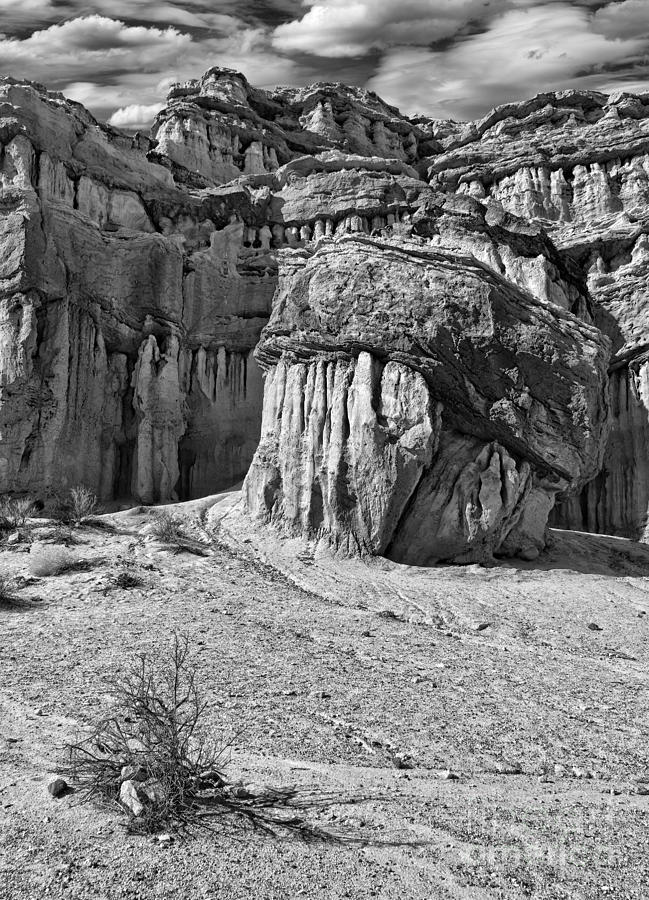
(333, 673)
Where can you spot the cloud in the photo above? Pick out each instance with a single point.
(524, 52)
(445, 58)
(627, 19)
(134, 116)
(352, 27)
(108, 65)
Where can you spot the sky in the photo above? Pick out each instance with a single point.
(441, 58)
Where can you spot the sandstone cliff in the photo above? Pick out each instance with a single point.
(419, 405)
(137, 274)
(578, 164)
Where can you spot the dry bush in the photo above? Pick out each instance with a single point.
(77, 507)
(7, 595)
(49, 559)
(10, 599)
(126, 580)
(82, 504)
(167, 528)
(14, 512)
(155, 738)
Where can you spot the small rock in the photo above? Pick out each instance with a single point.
(448, 775)
(211, 778)
(165, 839)
(593, 626)
(14, 538)
(482, 626)
(129, 797)
(154, 791)
(58, 788)
(132, 773)
(545, 779)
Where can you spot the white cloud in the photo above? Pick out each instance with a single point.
(626, 19)
(352, 27)
(483, 52)
(107, 64)
(134, 116)
(524, 52)
(23, 13)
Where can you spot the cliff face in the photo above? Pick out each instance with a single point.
(127, 317)
(137, 273)
(134, 282)
(578, 164)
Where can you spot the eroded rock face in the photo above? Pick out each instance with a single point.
(420, 406)
(129, 308)
(577, 163)
(221, 127)
(136, 275)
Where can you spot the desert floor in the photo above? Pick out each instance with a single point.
(332, 674)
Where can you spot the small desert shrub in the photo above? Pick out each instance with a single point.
(50, 559)
(167, 528)
(76, 507)
(7, 595)
(15, 511)
(154, 741)
(83, 504)
(126, 580)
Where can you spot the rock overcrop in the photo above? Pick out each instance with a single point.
(457, 288)
(420, 406)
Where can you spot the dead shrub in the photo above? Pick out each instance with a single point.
(15, 511)
(9, 598)
(167, 528)
(7, 595)
(127, 580)
(45, 559)
(153, 756)
(52, 559)
(83, 504)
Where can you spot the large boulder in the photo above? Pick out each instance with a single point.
(421, 406)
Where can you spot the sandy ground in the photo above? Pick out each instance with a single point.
(330, 671)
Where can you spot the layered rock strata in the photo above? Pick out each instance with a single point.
(419, 405)
(137, 272)
(126, 321)
(577, 163)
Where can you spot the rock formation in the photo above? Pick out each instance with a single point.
(421, 406)
(137, 274)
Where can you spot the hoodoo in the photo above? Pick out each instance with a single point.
(419, 405)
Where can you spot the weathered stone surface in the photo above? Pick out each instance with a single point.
(421, 406)
(221, 127)
(127, 314)
(136, 275)
(344, 443)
